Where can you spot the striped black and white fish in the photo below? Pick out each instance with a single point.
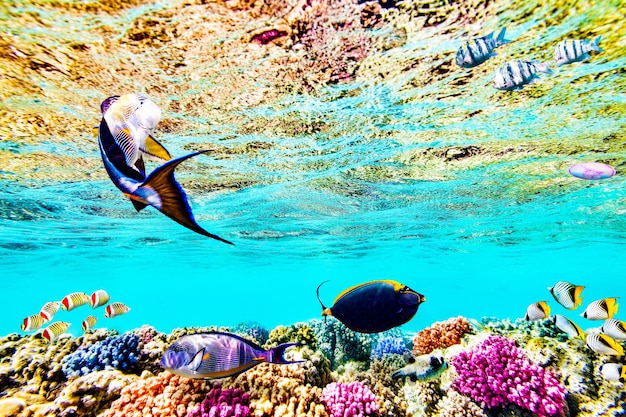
(567, 294)
(515, 74)
(476, 51)
(613, 372)
(577, 50)
(614, 328)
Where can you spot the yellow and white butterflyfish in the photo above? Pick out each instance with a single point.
(568, 326)
(602, 309)
(49, 310)
(606, 345)
(54, 330)
(73, 300)
(567, 294)
(614, 328)
(33, 322)
(89, 322)
(537, 311)
(115, 309)
(99, 298)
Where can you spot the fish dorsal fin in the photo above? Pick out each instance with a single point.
(196, 362)
(153, 148)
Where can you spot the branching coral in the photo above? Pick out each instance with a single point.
(299, 332)
(341, 344)
(117, 352)
(349, 400)
(220, 402)
(441, 335)
(457, 405)
(389, 345)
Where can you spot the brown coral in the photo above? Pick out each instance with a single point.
(441, 335)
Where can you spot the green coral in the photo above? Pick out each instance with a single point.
(299, 332)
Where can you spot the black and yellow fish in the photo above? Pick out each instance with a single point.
(567, 294)
(537, 311)
(374, 306)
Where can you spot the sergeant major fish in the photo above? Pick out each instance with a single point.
(476, 51)
(513, 75)
(219, 355)
(567, 52)
(423, 368)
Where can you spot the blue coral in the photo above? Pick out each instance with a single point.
(117, 352)
(389, 345)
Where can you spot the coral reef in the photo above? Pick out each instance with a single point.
(299, 332)
(341, 344)
(258, 333)
(389, 345)
(117, 352)
(441, 335)
(222, 403)
(349, 400)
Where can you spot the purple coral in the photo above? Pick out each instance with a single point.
(349, 400)
(223, 403)
(496, 372)
(389, 345)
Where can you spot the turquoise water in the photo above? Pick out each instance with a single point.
(350, 185)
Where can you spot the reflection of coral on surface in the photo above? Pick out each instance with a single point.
(220, 402)
(441, 335)
(349, 400)
(496, 372)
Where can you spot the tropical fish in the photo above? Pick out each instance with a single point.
(54, 330)
(32, 322)
(476, 51)
(423, 368)
(219, 355)
(99, 298)
(73, 300)
(601, 309)
(132, 119)
(515, 74)
(374, 306)
(614, 328)
(89, 322)
(601, 343)
(613, 372)
(567, 326)
(49, 310)
(568, 295)
(115, 309)
(567, 52)
(537, 311)
(159, 189)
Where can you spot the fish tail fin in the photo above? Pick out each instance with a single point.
(595, 45)
(543, 67)
(500, 40)
(613, 309)
(138, 205)
(277, 354)
(172, 198)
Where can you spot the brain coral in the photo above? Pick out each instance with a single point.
(441, 335)
(349, 400)
(117, 352)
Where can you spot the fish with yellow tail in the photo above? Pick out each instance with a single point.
(567, 326)
(537, 311)
(73, 300)
(54, 330)
(49, 309)
(614, 328)
(424, 368)
(606, 345)
(115, 309)
(219, 355)
(99, 298)
(88, 323)
(374, 306)
(613, 372)
(602, 309)
(567, 294)
(159, 189)
(33, 322)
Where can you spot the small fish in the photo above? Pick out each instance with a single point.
(601, 309)
(606, 345)
(89, 322)
(54, 330)
(49, 310)
(115, 309)
(374, 306)
(537, 311)
(515, 74)
(423, 368)
(568, 295)
(567, 52)
(73, 300)
(33, 322)
(614, 328)
(218, 355)
(99, 298)
(567, 326)
(613, 372)
(476, 51)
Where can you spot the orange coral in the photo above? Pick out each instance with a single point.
(441, 335)
(164, 395)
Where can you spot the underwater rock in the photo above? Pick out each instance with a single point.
(11, 407)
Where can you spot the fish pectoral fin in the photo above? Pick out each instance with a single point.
(196, 362)
(155, 149)
(95, 131)
(259, 359)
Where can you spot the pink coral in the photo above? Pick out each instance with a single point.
(441, 335)
(496, 372)
(349, 400)
(220, 402)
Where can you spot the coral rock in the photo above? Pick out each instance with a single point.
(441, 335)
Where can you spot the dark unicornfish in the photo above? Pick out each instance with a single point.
(374, 306)
(515, 74)
(219, 355)
(159, 189)
(476, 51)
(567, 52)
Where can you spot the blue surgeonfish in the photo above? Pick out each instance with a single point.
(159, 189)
(567, 52)
(219, 355)
(513, 75)
(537, 311)
(567, 294)
(567, 326)
(374, 306)
(613, 372)
(614, 328)
(606, 345)
(423, 368)
(602, 309)
(476, 51)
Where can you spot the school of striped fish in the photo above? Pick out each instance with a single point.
(71, 301)
(604, 340)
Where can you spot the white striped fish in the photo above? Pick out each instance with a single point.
(89, 322)
(478, 50)
(613, 372)
(73, 300)
(115, 309)
(567, 326)
(54, 330)
(99, 298)
(537, 311)
(601, 309)
(515, 74)
(32, 322)
(49, 310)
(567, 52)
(567, 294)
(606, 345)
(614, 328)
